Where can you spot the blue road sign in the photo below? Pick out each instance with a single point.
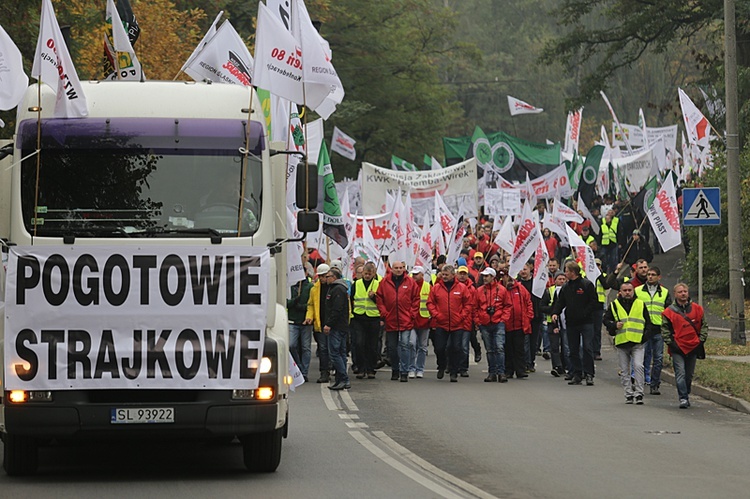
(701, 206)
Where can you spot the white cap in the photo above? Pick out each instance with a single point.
(337, 264)
(489, 271)
(417, 270)
(322, 269)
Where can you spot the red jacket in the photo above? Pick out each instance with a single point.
(522, 311)
(494, 295)
(685, 335)
(471, 305)
(398, 306)
(448, 307)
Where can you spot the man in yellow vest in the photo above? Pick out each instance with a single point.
(627, 319)
(421, 332)
(657, 298)
(609, 228)
(365, 324)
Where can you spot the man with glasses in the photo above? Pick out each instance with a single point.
(657, 298)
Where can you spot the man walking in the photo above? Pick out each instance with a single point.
(657, 298)
(336, 326)
(684, 331)
(492, 312)
(421, 336)
(300, 333)
(365, 323)
(517, 326)
(315, 315)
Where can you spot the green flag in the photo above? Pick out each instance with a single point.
(328, 205)
(590, 174)
(401, 164)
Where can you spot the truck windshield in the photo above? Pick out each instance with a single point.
(110, 177)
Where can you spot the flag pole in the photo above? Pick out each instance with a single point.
(243, 180)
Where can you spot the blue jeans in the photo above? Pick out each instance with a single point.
(493, 336)
(399, 350)
(576, 333)
(337, 351)
(465, 344)
(300, 339)
(322, 341)
(545, 338)
(456, 351)
(655, 353)
(684, 367)
(418, 345)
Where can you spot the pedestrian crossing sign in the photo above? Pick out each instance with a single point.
(701, 206)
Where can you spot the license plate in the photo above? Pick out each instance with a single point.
(142, 415)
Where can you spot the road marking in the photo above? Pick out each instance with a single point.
(328, 399)
(357, 425)
(430, 468)
(348, 416)
(347, 399)
(401, 468)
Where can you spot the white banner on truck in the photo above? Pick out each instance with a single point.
(161, 317)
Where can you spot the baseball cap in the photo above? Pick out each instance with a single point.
(461, 261)
(636, 231)
(322, 269)
(463, 268)
(479, 254)
(489, 271)
(598, 261)
(337, 264)
(417, 270)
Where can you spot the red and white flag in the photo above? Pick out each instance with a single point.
(506, 236)
(444, 215)
(54, 67)
(541, 273)
(664, 216)
(527, 241)
(696, 124)
(584, 254)
(13, 80)
(206, 38)
(573, 130)
(424, 248)
(224, 59)
(587, 214)
(343, 144)
(123, 59)
(517, 106)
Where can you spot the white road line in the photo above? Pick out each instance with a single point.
(357, 425)
(405, 470)
(348, 416)
(418, 461)
(328, 399)
(347, 399)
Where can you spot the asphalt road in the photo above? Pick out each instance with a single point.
(426, 438)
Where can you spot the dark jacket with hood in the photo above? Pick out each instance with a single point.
(337, 306)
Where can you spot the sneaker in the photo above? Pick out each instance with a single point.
(560, 371)
(478, 357)
(575, 381)
(490, 378)
(404, 378)
(554, 373)
(420, 374)
(441, 373)
(589, 380)
(347, 386)
(639, 400)
(395, 375)
(412, 374)
(502, 378)
(568, 376)
(531, 369)
(371, 375)
(546, 356)
(655, 389)
(521, 375)
(629, 399)
(464, 374)
(454, 377)
(338, 386)
(360, 376)
(684, 404)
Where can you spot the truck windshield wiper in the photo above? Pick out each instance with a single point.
(215, 235)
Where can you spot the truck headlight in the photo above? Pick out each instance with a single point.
(265, 365)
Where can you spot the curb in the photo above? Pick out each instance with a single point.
(712, 395)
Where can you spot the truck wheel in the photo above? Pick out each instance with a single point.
(20, 455)
(262, 451)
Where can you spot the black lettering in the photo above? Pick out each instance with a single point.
(248, 280)
(144, 264)
(247, 353)
(106, 359)
(172, 262)
(188, 336)
(131, 370)
(119, 262)
(230, 280)
(26, 354)
(25, 281)
(79, 356)
(52, 337)
(155, 353)
(199, 278)
(222, 351)
(52, 263)
(89, 296)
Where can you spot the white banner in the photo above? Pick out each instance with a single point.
(502, 202)
(573, 130)
(162, 317)
(665, 216)
(517, 106)
(547, 186)
(343, 144)
(637, 169)
(13, 80)
(224, 59)
(457, 185)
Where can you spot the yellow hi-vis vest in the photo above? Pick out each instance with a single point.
(363, 305)
(600, 292)
(609, 232)
(655, 304)
(632, 323)
(424, 293)
(551, 291)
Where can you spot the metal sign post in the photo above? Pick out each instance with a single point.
(701, 206)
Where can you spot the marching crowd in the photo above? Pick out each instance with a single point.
(454, 302)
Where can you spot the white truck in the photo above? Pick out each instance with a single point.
(146, 277)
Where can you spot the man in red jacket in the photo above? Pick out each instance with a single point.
(448, 304)
(518, 325)
(421, 337)
(492, 312)
(398, 302)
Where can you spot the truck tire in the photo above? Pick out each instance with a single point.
(262, 451)
(20, 455)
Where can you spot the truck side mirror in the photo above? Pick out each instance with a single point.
(308, 221)
(307, 187)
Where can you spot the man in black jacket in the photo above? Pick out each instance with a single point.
(336, 326)
(578, 298)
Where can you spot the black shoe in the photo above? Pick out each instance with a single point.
(441, 373)
(629, 400)
(404, 378)
(521, 375)
(568, 377)
(355, 370)
(491, 378)
(560, 371)
(639, 400)
(546, 355)
(502, 378)
(554, 373)
(454, 377)
(464, 374)
(324, 377)
(394, 376)
(347, 386)
(371, 375)
(598, 356)
(478, 357)
(531, 369)
(380, 364)
(589, 380)
(338, 386)
(360, 376)
(575, 381)
(655, 390)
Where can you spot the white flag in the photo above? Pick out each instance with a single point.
(506, 236)
(563, 212)
(584, 254)
(53, 67)
(696, 124)
(573, 130)
(295, 373)
(435, 164)
(541, 273)
(665, 216)
(527, 241)
(617, 122)
(278, 58)
(124, 61)
(295, 269)
(206, 38)
(517, 106)
(224, 59)
(13, 81)
(438, 238)
(343, 144)
(587, 214)
(424, 247)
